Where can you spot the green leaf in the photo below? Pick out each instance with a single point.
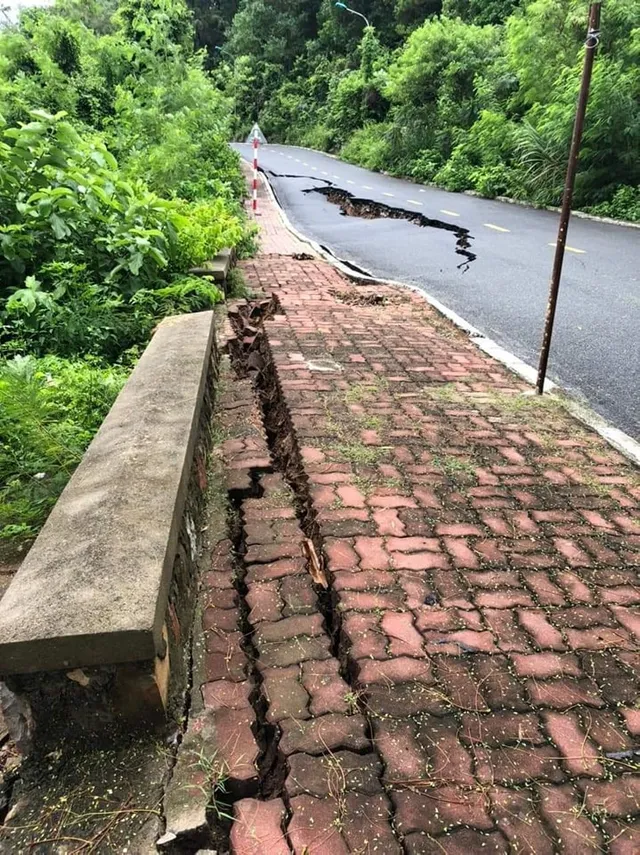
(60, 229)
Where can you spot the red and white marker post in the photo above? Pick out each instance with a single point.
(255, 172)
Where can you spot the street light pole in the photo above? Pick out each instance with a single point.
(591, 45)
(353, 12)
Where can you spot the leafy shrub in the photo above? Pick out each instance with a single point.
(62, 199)
(81, 319)
(492, 181)
(115, 178)
(49, 411)
(368, 147)
(624, 205)
(425, 166)
(171, 132)
(203, 229)
(190, 294)
(457, 172)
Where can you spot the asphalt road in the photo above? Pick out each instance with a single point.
(503, 292)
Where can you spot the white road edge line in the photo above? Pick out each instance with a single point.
(613, 435)
(495, 228)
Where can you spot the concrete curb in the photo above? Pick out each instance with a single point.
(621, 441)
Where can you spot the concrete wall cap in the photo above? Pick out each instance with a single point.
(93, 589)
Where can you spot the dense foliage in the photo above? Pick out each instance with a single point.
(468, 94)
(115, 179)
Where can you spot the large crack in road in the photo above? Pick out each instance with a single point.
(353, 206)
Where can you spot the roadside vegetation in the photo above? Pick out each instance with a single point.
(115, 179)
(467, 94)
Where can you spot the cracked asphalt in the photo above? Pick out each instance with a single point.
(503, 292)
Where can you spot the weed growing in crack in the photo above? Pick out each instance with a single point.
(455, 467)
(362, 391)
(352, 700)
(356, 452)
(217, 775)
(237, 288)
(371, 422)
(446, 393)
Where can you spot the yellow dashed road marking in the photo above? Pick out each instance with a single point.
(572, 249)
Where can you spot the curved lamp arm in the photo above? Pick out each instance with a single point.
(353, 12)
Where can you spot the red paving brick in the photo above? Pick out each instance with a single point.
(480, 692)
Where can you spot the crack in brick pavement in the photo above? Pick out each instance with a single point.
(311, 725)
(483, 551)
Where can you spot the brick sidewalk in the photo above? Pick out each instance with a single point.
(470, 681)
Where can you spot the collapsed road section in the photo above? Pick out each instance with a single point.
(352, 206)
(369, 209)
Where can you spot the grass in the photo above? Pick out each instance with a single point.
(363, 391)
(456, 468)
(446, 393)
(237, 287)
(358, 453)
(371, 422)
(217, 775)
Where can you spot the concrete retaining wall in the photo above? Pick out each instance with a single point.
(94, 623)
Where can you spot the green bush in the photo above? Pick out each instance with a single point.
(49, 411)
(63, 199)
(191, 294)
(115, 179)
(624, 205)
(425, 166)
(203, 229)
(369, 147)
(492, 181)
(457, 172)
(80, 319)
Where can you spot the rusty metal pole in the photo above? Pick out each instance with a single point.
(591, 45)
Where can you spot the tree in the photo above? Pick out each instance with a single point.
(480, 11)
